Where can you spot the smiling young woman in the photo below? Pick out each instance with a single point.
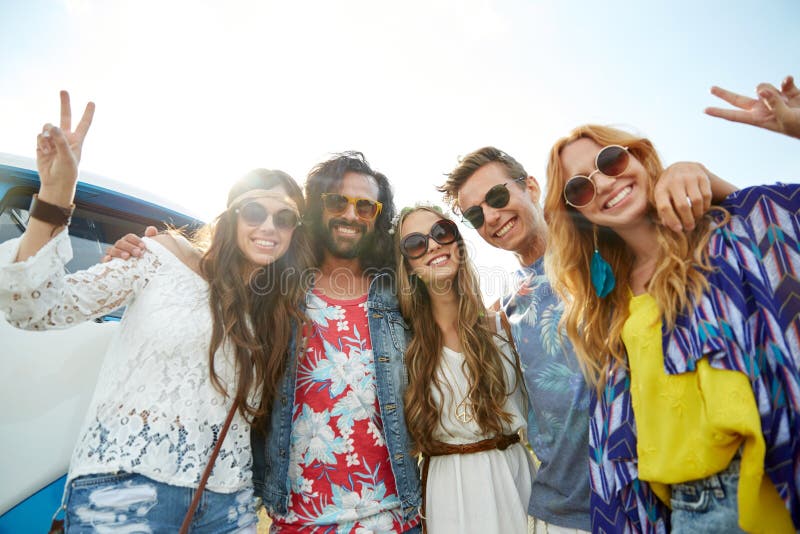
(465, 402)
(693, 342)
(198, 345)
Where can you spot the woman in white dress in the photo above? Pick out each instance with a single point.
(198, 334)
(465, 403)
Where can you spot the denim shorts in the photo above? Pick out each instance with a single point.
(134, 503)
(708, 505)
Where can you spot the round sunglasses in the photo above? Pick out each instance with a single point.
(254, 214)
(415, 244)
(612, 161)
(496, 197)
(336, 204)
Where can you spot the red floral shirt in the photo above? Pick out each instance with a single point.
(340, 474)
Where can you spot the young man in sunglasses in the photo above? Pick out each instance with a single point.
(336, 455)
(497, 197)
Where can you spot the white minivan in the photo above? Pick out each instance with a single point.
(47, 378)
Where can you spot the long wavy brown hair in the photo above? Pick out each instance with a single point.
(594, 325)
(483, 361)
(253, 308)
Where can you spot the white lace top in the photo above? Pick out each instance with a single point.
(154, 410)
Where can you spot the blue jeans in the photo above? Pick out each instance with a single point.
(135, 503)
(708, 505)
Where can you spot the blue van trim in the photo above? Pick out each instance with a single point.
(34, 513)
(101, 199)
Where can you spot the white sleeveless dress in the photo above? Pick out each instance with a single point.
(484, 492)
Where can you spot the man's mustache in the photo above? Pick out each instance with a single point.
(343, 222)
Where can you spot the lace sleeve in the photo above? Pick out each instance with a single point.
(36, 294)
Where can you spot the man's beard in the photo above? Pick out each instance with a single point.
(347, 249)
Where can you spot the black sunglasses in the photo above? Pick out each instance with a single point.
(612, 161)
(415, 245)
(254, 214)
(336, 204)
(496, 197)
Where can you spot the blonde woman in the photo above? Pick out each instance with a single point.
(689, 339)
(465, 402)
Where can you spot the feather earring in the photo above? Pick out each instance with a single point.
(602, 276)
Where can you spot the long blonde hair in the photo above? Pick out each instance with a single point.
(594, 325)
(486, 379)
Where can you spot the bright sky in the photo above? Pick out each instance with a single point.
(191, 94)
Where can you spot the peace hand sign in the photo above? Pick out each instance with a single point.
(774, 110)
(58, 153)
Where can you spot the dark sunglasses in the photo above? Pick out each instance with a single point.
(336, 204)
(415, 245)
(612, 161)
(254, 214)
(496, 197)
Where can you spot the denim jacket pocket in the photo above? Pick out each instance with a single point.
(399, 330)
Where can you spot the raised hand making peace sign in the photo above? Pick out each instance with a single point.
(58, 153)
(774, 110)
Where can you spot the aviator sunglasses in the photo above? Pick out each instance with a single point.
(415, 244)
(336, 204)
(496, 197)
(254, 214)
(612, 161)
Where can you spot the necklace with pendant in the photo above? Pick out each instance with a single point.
(463, 411)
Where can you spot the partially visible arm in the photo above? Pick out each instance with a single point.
(720, 189)
(58, 152)
(685, 191)
(36, 294)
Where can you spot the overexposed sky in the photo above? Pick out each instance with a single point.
(192, 94)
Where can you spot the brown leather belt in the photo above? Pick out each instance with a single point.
(501, 442)
(439, 448)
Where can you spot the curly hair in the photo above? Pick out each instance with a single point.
(483, 361)
(594, 325)
(253, 316)
(376, 254)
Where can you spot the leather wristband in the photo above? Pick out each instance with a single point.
(50, 213)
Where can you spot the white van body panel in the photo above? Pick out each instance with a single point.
(47, 382)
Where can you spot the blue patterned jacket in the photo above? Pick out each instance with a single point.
(748, 321)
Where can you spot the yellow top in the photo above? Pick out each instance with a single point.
(689, 426)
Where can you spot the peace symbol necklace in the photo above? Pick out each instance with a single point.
(464, 411)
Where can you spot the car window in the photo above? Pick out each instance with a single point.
(91, 232)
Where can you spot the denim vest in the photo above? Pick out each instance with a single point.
(389, 335)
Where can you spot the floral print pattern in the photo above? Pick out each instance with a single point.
(339, 471)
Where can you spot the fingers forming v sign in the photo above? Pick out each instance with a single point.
(58, 149)
(751, 110)
(774, 110)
